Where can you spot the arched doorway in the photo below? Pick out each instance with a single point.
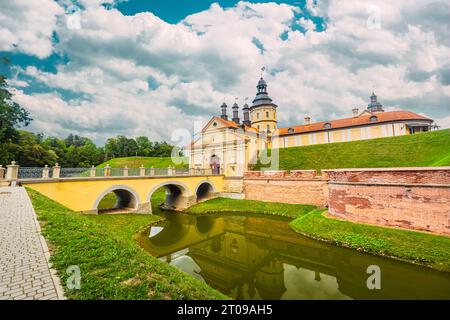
(117, 199)
(169, 196)
(214, 164)
(205, 191)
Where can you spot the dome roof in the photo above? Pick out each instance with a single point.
(262, 97)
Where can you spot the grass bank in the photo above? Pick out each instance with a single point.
(221, 205)
(422, 149)
(409, 246)
(112, 265)
(148, 162)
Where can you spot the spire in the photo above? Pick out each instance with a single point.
(246, 111)
(262, 97)
(374, 105)
(223, 108)
(235, 112)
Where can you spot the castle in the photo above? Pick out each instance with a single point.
(230, 146)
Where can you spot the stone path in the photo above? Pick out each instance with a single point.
(24, 266)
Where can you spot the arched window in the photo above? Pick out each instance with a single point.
(267, 114)
(327, 125)
(373, 118)
(290, 130)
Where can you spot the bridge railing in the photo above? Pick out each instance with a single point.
(14, 172)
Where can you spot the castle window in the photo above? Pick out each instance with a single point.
(290, 130)
(373, 118)
(267, 114)
(327, 125)
(257, 115)
(268, 128)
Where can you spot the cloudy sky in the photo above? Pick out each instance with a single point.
(144, 67)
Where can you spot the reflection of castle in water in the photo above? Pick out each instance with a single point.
(239, 256)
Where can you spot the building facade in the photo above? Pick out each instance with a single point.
(233, 146)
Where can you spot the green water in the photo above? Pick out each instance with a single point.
(259, 257)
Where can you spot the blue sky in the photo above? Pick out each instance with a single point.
(152, 67)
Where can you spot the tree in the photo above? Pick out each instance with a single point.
(162, 149)
(145, 146)
(12, 116)
(29, 152)
(111, 148)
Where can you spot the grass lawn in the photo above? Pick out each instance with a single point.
(422, 149)
(148, 162)
(112, 265)
(220, 205)
(410, 246)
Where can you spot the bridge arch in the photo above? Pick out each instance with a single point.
(177, 194)
(127, 198)
(205, 190)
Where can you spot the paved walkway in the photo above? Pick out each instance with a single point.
(24, 267)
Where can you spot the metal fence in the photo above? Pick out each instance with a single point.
(30, 173)
(74, 172)
(38, 173)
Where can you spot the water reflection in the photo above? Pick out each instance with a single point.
(260, 257)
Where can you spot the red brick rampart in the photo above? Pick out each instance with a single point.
(298, 186)
(411, 198)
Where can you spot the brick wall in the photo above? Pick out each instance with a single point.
(232, 185)
(299, 186)
(411, 198)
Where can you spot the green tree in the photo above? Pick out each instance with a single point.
(12, 116)
(162, 149)
(30, 152)
(145, 146)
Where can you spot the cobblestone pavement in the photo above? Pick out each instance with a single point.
(24, 267)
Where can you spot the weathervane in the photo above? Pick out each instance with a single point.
(262, 70)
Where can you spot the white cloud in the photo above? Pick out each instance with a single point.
(27, 26)
(141, 75)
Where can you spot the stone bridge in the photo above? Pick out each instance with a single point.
(83, 189)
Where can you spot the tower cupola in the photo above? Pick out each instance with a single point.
(263, 112)
(235, 113)
(262, 97)
(223, 108)
(246, 111)
(374, 105)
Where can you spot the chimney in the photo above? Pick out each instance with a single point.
(235, 113)
(246, 111)
(223, 107)
(307, 121)
(355, 112)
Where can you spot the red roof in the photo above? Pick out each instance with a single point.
(233, 124)
(363, 119)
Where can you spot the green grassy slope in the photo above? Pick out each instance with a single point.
(423, 149)
(148, 162)
(112, 264)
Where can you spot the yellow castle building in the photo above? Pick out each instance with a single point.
(229, 146)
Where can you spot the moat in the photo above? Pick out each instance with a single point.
(260, 257)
